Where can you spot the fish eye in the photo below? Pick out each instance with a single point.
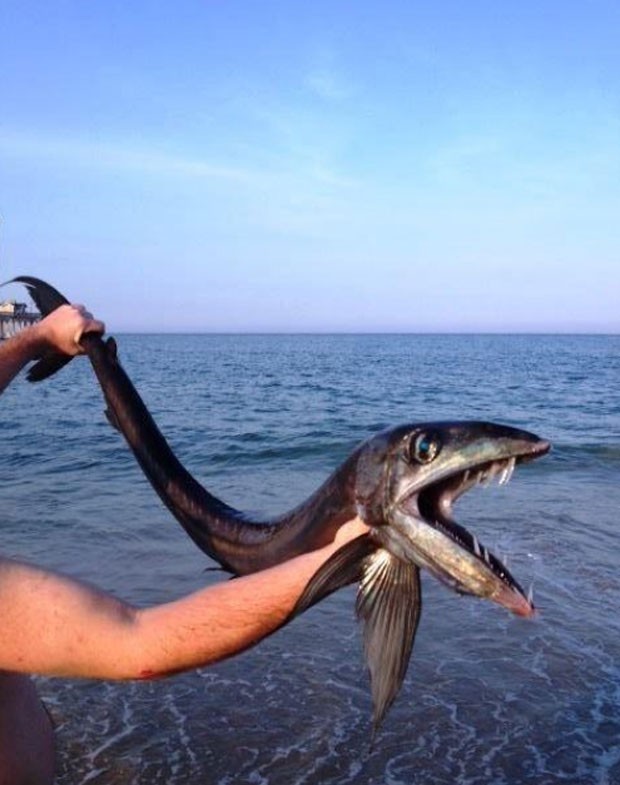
(424, 448)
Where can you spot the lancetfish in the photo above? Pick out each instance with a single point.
(402, 482)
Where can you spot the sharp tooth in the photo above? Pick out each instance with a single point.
(530, 594)
(466, 475)
(486, 475)
(507, 472)
(487, 558)
(476, 545)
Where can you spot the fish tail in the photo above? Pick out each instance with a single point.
(46, 299)
(44, 296)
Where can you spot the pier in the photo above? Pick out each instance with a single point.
(14, 317)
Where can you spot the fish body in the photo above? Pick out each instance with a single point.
(402, 482)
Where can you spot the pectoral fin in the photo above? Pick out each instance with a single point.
(389, 603)
(342, 568)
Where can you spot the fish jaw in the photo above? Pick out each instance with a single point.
(413, 539)
(416, 522)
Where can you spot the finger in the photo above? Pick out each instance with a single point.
(90, 326)
(77, 338)
(81, 309)
(94, 326)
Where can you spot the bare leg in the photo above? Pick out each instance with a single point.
(26, 735)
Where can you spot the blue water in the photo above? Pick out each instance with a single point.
(261, 421)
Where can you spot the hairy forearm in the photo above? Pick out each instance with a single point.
(58, 332)
(53, 625)
(225, 619)
(16, 352)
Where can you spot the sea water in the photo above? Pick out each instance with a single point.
(261, 421)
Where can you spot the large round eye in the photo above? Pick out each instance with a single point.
(425, 447)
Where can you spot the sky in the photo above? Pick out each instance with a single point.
(318, 166)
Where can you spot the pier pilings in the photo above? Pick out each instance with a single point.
(10, 324)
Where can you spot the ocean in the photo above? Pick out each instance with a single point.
(261, 420)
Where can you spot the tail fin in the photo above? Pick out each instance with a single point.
(46, 299)
(44, 296)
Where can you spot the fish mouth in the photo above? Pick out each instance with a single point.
(457, 557)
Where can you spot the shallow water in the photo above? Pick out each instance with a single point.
(261, 421)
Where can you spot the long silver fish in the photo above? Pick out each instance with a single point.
(402, 482)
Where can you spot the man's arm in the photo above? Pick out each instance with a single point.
(61, 330)
(53, 625)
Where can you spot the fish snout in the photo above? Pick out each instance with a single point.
(515, 601)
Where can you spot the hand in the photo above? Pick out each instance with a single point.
(350, 530)
(63, 328)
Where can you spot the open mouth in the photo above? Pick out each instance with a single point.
(435, 503)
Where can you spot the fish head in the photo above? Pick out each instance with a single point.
(408, 479)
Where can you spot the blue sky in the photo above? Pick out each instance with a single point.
(276, 166)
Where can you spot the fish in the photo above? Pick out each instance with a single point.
(402, 482)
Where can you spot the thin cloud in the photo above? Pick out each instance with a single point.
(327, 85)
(104, 155)
(325, 78)
(98, 155)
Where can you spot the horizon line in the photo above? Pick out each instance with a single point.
(292, 332)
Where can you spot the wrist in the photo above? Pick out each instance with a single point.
(35, 340)
(29, 344)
